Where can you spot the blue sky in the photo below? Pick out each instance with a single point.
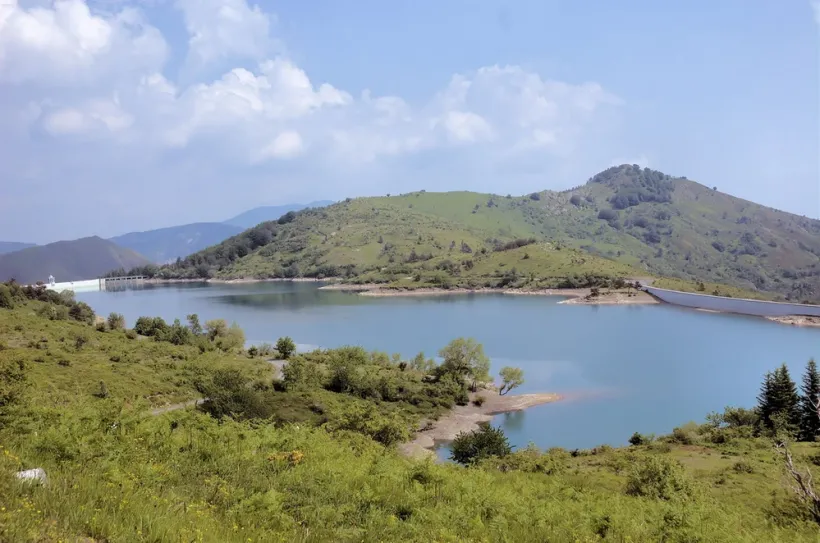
(120, 116)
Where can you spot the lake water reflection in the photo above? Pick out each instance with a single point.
(621, 369)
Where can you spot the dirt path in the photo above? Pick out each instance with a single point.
(467, 417)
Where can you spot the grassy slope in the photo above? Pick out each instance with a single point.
(358, 232)
(116, 475)
(148, 372)
(786, 246)
(701, 235)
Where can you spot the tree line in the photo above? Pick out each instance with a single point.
(781, 408)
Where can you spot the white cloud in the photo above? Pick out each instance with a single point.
(94, 115)
(67, 44)
(69, 74)
(288, 144)
(224, 29)
(466, 127)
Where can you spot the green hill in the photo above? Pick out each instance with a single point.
(85, 258)
(625, 221)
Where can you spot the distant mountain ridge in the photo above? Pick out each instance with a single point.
(258, 215)
(652, 222)
(165, 245)
(11, 246)
(85, 258)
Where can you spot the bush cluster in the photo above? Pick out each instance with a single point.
(60, 305)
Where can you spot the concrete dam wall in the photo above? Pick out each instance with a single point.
(732, 305)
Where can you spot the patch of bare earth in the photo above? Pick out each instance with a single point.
(576, 296)
(615, 297)
(466, 418)
(797, 320)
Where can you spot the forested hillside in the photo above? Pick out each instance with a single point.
(625, 221)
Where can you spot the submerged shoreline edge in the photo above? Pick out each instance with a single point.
(466, 418)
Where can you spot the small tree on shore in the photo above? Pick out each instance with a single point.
(465, 358)
(285, 346)
(510, 379)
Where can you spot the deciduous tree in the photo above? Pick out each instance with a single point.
(510, 379)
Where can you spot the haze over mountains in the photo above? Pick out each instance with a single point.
(11, 246)
(165, 245)
(85, 258)
(647, 220)
(257, 215)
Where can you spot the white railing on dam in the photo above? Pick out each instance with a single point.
(743, 306)
(103, 283)
(84, 285)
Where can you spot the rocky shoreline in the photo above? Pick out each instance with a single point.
(158, 281)
(797, 320)
(466, 418)
(579, 296)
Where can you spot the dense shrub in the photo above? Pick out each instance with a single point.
(115, 321)
(13, 382)
(660, 478)
(285, 346)
(469, 448)
(608, 215)
(387, 429)
(514, 244)
(637, 439)
(228, 393)
(685, 435)
(529, 460)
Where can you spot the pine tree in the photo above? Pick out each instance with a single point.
(778, 401)
(764, 400)
(786, 401)
(809, 420)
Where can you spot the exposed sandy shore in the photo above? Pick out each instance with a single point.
(612, 298)
(467, 417)
(797, 320)
(576, 296)
(242, 280)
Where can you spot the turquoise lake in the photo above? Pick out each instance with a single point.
(621, 369)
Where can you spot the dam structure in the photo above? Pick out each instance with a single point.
(91, 285)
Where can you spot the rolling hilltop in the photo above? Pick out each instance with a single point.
(625, 221)
(84, 258)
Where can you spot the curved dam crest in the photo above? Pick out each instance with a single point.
(741, 306)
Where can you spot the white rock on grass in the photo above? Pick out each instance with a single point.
(32, 475)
